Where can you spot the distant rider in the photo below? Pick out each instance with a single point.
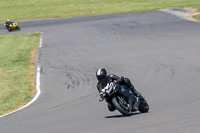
(129, 89)
(8, 22)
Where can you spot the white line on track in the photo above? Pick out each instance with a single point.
(37, 87)
(40, 46)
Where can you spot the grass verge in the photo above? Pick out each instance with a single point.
(17, 68)
(197, 17)
(36, 9)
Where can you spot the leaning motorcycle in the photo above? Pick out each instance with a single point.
(13, 26)
(111, 95)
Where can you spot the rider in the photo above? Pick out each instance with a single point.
(8, 23)
(103, 79)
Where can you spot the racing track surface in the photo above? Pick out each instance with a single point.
(159, 52)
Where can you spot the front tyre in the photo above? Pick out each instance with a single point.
(9, 29)
(118, 105)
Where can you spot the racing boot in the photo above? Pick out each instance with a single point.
(135, 105)
(111, 107)
(132, 88)
(135, 92)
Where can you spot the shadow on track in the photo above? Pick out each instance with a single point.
(122, 116)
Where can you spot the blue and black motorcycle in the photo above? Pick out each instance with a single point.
(111, 93)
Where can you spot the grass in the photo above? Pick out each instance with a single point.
(37, 9)
(17, 69)
(197, 17)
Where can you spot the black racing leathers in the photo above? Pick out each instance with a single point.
(8, 24)
(122, 81)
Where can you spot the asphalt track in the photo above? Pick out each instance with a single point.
(159, 52)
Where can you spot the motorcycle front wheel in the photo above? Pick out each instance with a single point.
(120, 104)
(9, 29)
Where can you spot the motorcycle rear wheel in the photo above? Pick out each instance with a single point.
(119, 107)
(144, 107)
(18, 28)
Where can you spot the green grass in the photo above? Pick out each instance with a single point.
(197, 17)
(36, 9)
(16, 77)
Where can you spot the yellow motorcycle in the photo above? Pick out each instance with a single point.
(12, 26)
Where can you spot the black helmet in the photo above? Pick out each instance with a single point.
(101, 73)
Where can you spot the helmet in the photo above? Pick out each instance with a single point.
(7, 20)
(101, 73)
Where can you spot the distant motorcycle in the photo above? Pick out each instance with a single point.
(12, 26)
(119, 102)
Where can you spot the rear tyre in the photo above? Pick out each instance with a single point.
(144, 107)
(119, 107)
(18, 28)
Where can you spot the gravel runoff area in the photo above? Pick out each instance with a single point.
(186, 13)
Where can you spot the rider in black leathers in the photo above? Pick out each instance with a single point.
(8, 22)
(127, 92)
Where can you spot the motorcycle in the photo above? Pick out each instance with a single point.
(116, 101)
(12, 26)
